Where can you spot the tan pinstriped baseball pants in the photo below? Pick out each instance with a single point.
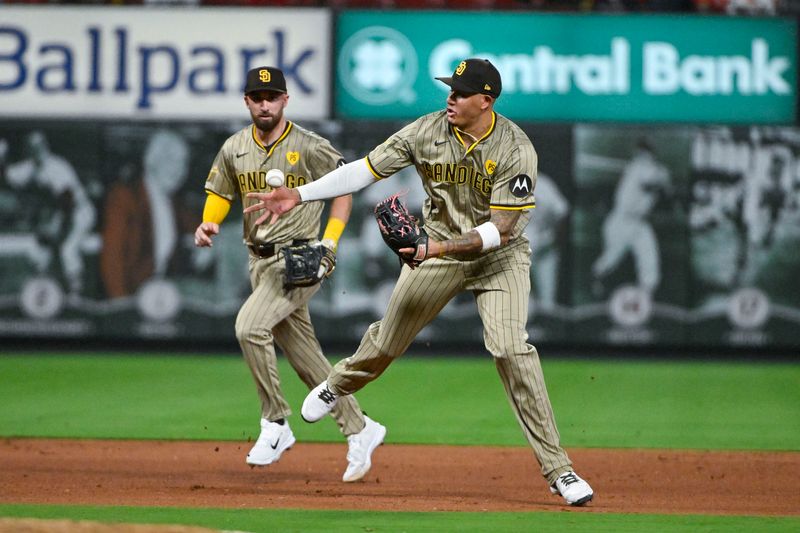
(501, 284)
(272, 313)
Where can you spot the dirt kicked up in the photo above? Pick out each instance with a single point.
(403, 478)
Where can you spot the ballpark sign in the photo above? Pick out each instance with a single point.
(572, 67)
(157, 63)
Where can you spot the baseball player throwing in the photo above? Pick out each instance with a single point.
(627, 227)
(478, 170)
(273, 313)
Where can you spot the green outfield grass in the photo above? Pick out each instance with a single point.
(598, 403)
(602, 403)
(288, 520)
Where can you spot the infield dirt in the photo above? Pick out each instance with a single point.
(403, 478)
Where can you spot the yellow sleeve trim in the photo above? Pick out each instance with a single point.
(374, 173)
(334, 230)
(216, 208)
(522, 207)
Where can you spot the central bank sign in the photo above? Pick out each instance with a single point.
(157, 63)
(572, 67)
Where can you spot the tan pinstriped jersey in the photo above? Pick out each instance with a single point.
(241, 167)
(463, 180)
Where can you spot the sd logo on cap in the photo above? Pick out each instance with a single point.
(474, 76)
(265, 79)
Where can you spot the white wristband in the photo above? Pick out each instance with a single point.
(490, 235)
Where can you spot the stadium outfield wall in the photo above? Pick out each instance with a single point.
(696, 247)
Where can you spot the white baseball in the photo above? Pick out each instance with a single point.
(275, 178)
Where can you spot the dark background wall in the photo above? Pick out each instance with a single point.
(707, 262)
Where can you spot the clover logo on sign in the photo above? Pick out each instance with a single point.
(378, 66)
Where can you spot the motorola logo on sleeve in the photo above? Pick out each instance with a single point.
(521, 186)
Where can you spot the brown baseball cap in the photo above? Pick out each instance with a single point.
(475, 76)
(265, 79)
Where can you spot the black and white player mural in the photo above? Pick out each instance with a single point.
(95, 219)
(641, 236)
(546, 232)
(744, 223)
(49, 242)
(154, 280)
(630, 284)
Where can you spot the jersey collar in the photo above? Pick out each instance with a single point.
(269, 149)
(461, 138)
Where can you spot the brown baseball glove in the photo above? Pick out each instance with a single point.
(399, 230)
(307, 264)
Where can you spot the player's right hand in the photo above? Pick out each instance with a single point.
(274, 203)
(433, 249)
(203, 234)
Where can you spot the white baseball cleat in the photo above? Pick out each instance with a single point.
(572, 488)
(272, 442)
(360, 447)
(318, 403)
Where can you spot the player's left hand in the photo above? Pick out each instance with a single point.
(307, 264)
(274, 203)
(400, 231)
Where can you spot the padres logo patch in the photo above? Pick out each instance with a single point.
(461, 67)
(292, 157)
(490, 166)
(521, 186)
(264, 75)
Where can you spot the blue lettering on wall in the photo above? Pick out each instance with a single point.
(173, 64)
(154, 69)
(215, 72)
(247, 55)
(15, 57)
(94, 52)
(292, 70)
(61, 70)
(122, 61)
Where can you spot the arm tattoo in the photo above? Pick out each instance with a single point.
(505, 222)
(471, 241)
(465, 243)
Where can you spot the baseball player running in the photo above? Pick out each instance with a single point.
(478, 170)
(274, 314)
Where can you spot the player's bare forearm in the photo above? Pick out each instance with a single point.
(504, 221)
(471, 242)
(464, 243)
(341, 207)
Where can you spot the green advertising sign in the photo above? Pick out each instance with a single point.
(573, 67)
